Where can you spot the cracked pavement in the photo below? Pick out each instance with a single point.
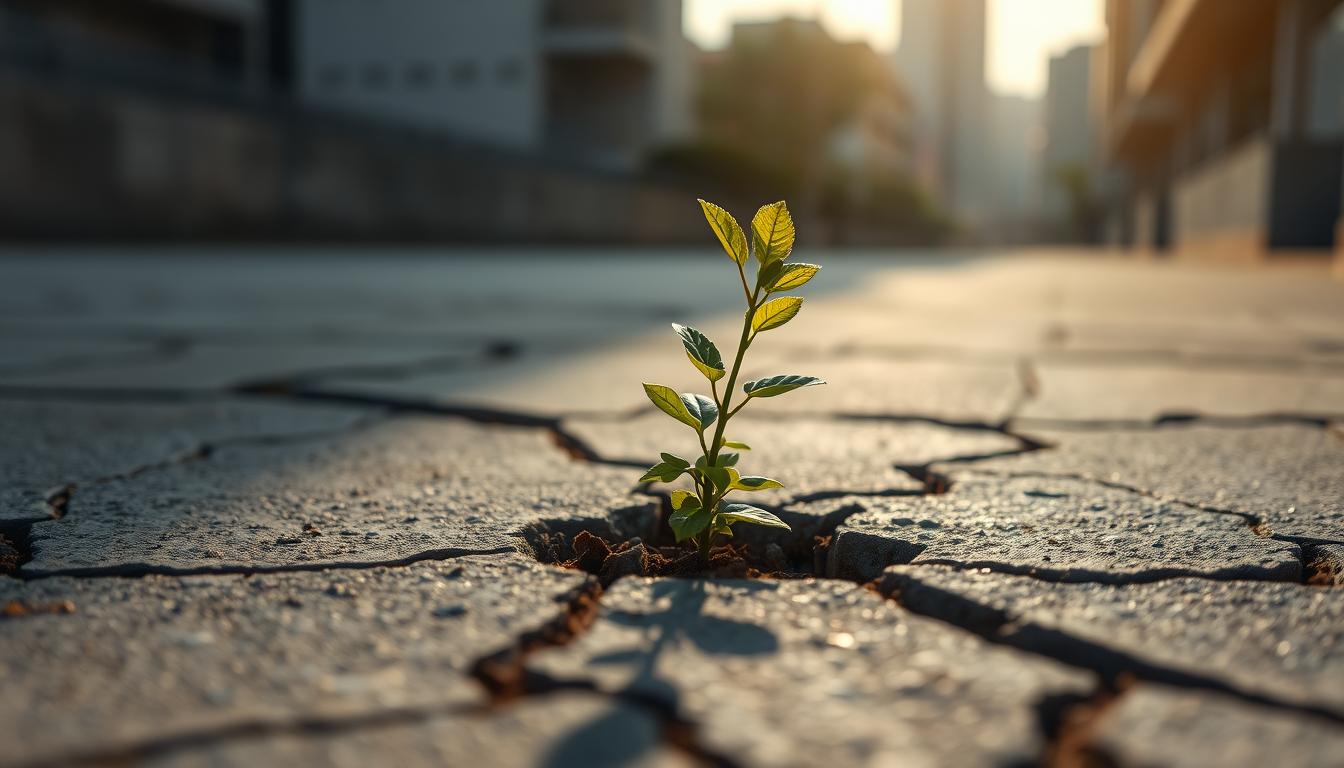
(308, 509)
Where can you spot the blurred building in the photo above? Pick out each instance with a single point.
(1222, 125)
(206, 44)
(1067, 153)
(941, 59)
(603, 81)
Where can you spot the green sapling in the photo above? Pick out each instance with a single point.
(702, 515)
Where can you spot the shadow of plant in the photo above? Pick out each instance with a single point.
(606, 740)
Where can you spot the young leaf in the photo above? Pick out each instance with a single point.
(778, 385)
(772, 233)
(662, 471)
(754, 483)
(726, 229)
(669, 402)
(701, 408)
(775, 313)
(745, 513)
(689, 521)
(728, 459)
(721, 527)
(721, 478)
(701, 351)
(769, 274)
(735, 444)
(793, 276)
(674, 460)
(680, 500)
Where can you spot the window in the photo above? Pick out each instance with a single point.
(509, 71)
(465, 72)
(375, 76)
(331, 77)
(419, 74)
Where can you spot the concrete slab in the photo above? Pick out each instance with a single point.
(46, 444)
(813, 673)
(1286, 476)
(1145, 392)
(1058, 530)
(1282, 641)
(1162, 726)
(143, 661)
(566, 730)
(400, 490)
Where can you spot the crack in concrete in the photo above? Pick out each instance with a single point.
(159, 746)
(1173, 419)
(137, 570)
(1114, 667)
(507, 678)
(1070, 723)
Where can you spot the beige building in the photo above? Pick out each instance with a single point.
(1222, 132)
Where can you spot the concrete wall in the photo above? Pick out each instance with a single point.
(103, 163)
(1221, 209)
(472, 67)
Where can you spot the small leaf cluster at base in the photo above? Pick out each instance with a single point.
(704, 513)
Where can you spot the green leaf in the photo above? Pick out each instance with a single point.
(754, 483)
(680, 500)
(769, 274)
(720, 477)
(745, 513)
(720, 526)
(662, 471)
(701, 408)
(793, 276)
(735, 444)
(778, 385)
(675, 460)
(669, 402)
(701, 351)
(727, 230)
(687, 521)
(728, 459)
(775, 313)
(772, 233)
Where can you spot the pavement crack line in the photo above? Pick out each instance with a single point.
(1257, 525)
(1069, 724)
(1029, 388)
(1175, 419)
(507, 678)
(137, 570)
(59, 498)
(1114, 667)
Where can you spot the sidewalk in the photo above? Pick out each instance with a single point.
(298, 509)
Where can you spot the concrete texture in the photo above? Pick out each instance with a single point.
(1056, 530)
(751, 661)
(1095, 504)
(140, 661)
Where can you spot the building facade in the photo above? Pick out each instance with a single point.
(1068, 151)
(1222, 136)
(601, 81)
(941, 59)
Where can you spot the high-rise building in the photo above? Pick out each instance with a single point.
(941, 58)
(1067, 151)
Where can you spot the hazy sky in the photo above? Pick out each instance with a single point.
(1022, 33)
